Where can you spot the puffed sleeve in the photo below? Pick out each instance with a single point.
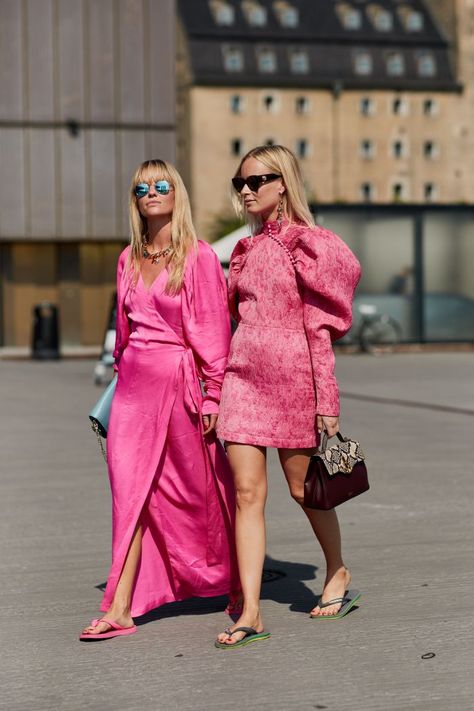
(328, 274)
(206, 322)
(237, 261)
(121, 329)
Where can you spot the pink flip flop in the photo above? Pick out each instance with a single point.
(116, 631)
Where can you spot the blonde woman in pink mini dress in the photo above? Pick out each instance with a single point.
(172, 490)
(291, 286)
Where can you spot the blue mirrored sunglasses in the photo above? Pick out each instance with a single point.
(162, 187)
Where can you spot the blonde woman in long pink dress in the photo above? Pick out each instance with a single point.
(291, 287)
(172, 490)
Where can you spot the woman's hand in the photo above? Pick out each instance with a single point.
(209, 422)
(328, 423)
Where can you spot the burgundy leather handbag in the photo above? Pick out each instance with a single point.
(335, 474)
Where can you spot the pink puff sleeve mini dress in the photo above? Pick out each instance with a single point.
(291, 300)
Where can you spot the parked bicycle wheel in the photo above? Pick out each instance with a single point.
(379, 334)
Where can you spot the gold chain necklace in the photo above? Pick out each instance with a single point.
(156, 256)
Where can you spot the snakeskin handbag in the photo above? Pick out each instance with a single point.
(335, 474)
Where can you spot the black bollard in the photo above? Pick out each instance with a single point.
(45, 341)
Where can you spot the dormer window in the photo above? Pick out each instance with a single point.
(363, 63)
(381, 19)
(299, 61)
(426, 64)
(267, 62)
(395, 64)
(233, 58)
(412, 20)
(254, 12)
(287, 15)
(350, 18)
(223, 12)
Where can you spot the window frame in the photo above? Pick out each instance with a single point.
(227, 50)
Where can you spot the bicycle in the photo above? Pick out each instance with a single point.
(376, 333)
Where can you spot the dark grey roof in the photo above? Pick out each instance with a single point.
(330, 47)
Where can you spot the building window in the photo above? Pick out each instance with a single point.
(381, 19)
(236, 146)
(287, 15)
(350, 18)
(367, 148)
(236, 104)
(302, 148)
(430, 149)
(395, 64)
(363, 63)
(367, 192)
(366, 106)
(254, 12)
(399, 106)
(430, 107)
(426, 64)
(223, 12)
(301, 105)
(267, 62)
(269, 142)
(270, 103)
(299, 61)
(233, 59)
(398, 192)
(430, 192)
(412, 20)
(398, 148)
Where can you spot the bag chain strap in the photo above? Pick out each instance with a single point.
(95, 427)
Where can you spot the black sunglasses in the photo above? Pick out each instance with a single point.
(253, 181)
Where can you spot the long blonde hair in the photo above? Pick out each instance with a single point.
(282, 161)
(183, 233)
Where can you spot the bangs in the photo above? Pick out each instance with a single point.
(151, 172)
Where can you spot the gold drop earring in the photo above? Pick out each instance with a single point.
(280, 212)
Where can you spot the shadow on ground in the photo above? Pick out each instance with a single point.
(283, 582)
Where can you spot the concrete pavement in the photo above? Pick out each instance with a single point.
(408, 542)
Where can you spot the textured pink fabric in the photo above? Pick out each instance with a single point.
(280, 372)
(162, 471)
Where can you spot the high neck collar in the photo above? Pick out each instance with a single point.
(274, 226)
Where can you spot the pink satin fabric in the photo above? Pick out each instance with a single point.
(280, 371)
(162, 471)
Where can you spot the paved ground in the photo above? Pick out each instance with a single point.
(408, 542)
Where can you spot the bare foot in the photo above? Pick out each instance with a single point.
(335, 586)
(245, 620)
(123, 619)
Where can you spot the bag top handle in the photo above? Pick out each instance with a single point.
(323, 444)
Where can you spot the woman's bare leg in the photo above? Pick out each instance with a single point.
(119, 611)
(324, 524)
(248, 465)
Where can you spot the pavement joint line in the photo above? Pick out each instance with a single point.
(409, 403)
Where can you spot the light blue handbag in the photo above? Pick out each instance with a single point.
(100, 413)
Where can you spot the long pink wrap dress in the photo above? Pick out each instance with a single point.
(162, 470)
(291, 300)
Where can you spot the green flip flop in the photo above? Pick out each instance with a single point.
(348, 601)
(251, 635)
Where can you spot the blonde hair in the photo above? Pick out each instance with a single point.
(282, 161)
(183, 233)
